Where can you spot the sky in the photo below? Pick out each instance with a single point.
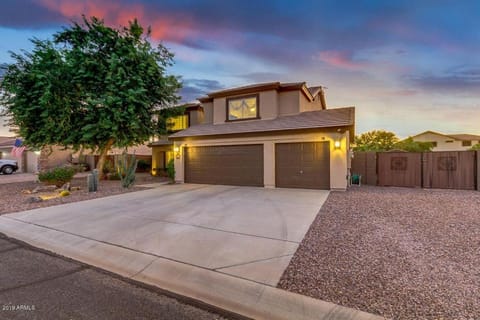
(407, 66)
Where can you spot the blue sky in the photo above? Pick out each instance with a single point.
(406, 66)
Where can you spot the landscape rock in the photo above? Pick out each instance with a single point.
(66, 186)
(402, 253)
(34, 199)
(43, 188)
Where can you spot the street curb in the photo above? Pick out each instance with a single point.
(240, 296)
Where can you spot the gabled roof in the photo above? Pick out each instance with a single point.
(465, 136)
(330, 118)
(460, 137)
(315, 90)
(261, 87)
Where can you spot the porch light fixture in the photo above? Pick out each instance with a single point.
(37, 152)
(337, 144)
(177, 152)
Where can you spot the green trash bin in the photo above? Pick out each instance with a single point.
(356, 179)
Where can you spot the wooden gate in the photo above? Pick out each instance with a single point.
(449, 170)
(399, 169)
(365, 165)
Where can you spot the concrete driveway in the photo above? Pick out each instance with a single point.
(224, 246)
(246, 232)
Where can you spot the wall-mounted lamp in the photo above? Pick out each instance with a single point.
(37, 152)
(337, 144)
(177, 152)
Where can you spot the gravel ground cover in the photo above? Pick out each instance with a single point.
(397, 252)
(12, 199)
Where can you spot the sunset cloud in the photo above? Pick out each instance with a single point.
(376, 55)
(168, 27)
(342, 60)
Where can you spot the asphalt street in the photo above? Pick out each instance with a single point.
(35, 284)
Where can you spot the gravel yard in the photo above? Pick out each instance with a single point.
(401, 253)
(12, 199)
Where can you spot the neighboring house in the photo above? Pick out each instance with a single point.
(267, 135)
(448, 142)
(33, 161)
(28, 162)
(141, 152)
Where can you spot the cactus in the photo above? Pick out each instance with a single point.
(92, 181)
(126, 166)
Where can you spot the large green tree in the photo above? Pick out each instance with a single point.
(375, 140)
(380, 140)
(92, 86)
(410, 145)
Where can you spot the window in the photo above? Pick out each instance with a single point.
(466, 143)
(178, 123)
(242, 108)
(434, 143)
(449, 141)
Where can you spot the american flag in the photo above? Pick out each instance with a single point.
(18, 148)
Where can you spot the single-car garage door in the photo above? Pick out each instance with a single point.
(240, 165)
(302, 165)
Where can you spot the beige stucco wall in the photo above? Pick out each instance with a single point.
(32, 162)
(207, 112)
(307, 105)
(219, 110)
(442, 144)
(196, 117)
(338, 157)
(268, 104)
(55, 156)
(288, 102)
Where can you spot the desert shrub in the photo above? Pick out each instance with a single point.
(114, 176)
(57, 176)
(171, 169)
(81, 167)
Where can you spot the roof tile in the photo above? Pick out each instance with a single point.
(306, 120)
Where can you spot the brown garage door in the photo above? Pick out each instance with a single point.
(229, 165)
(302, 165)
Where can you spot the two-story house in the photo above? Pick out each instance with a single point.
(267, 135)
(448, 142)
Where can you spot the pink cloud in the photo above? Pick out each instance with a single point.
(165, 26)
(340, 59)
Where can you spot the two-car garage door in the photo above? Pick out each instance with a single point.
(297, 165)
(239, 165)
(302, 165)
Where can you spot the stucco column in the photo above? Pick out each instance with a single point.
(269, 164)
(338, 162)
(179, 162)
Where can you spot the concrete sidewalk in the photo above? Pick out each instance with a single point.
(230, 254)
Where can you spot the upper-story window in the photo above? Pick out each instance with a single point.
(466, 143)
(242, 108)
(178, 123)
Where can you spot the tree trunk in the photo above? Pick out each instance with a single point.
(103, 157)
